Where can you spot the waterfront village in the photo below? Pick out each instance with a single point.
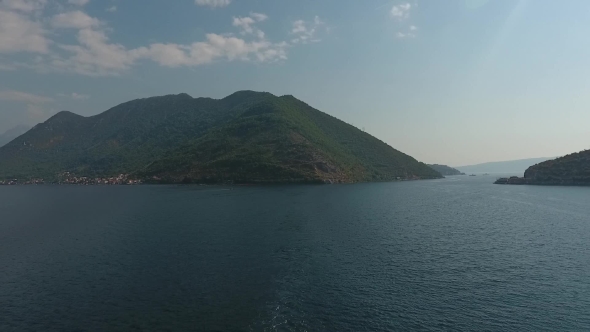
(71, 179)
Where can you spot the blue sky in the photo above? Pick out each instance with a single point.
(454, 82)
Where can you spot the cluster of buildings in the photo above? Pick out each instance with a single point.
(121, 179)
(69, 178)
(15, 182)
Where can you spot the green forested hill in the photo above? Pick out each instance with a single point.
(247, 136)
(573, 169)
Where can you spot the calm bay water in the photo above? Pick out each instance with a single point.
(456, 254)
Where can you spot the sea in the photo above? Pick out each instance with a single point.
(455, 254)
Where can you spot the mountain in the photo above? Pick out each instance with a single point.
(253, 137)
(511, 166)
(573, 169)
(13, 133)
(445, 170)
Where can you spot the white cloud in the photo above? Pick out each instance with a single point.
(78, 2)
(94, 54)
(74, 20)
(305, 32)
(19, 96)
(26, 6)
(413, 28)
(401, 11)
(213, 3)
(97, 56)
(215, 47)
(19, 33)
(246, 24)
(112, 9)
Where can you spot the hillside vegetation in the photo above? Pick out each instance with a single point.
(445, 170)
(245, 137)
(573, 169)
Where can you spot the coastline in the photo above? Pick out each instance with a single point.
(532, 182)
(92, 182)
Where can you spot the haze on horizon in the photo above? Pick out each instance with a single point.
(458, 82)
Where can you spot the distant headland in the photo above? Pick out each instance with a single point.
(570, 170)
(445, 170)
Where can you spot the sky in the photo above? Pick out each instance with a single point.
(453, 82)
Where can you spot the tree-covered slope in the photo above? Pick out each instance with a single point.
(445, 170)
(573, 169)
(248, 136)
(121, 140)
(285, 140)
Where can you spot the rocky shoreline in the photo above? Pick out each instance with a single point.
(512, 180)
(515, 180)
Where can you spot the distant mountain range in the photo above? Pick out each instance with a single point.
(249, 137)
(13, 133)
(445, 170)
(516, 167)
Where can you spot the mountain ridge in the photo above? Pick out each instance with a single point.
(517, 166)
(247, 136)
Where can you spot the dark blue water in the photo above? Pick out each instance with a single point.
(458, 254)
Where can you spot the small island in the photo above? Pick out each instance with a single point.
(511, 180)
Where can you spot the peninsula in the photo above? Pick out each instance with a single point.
(445, 170)
(570, 170)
